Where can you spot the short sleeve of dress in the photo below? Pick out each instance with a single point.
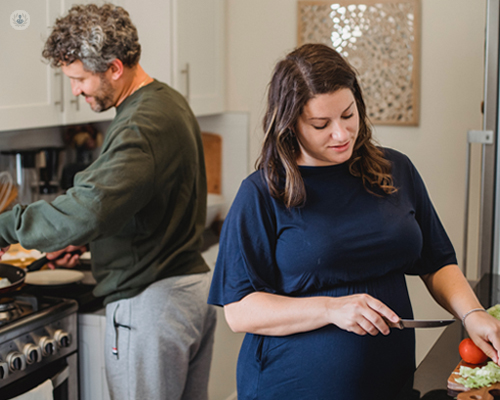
(245, 262)
(437, 249)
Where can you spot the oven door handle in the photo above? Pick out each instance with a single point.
(60, 377)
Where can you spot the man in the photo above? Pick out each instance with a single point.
(141, 205)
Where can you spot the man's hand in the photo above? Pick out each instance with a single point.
(3, 251)
(67, 260)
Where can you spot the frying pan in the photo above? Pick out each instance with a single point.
(17, 275)
(14, 274)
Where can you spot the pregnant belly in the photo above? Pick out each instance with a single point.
(326, 363)
(330, 363)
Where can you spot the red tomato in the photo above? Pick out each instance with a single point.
(470, 353)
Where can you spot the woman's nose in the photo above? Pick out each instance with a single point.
(339, 132)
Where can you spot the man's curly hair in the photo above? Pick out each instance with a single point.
(94, 35)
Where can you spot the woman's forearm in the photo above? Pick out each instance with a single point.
(451, 290)
(270, 314)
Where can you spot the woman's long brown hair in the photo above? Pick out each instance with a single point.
(310, 70)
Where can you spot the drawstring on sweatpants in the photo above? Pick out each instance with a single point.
(117, 325)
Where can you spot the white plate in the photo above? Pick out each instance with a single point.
(53, 277)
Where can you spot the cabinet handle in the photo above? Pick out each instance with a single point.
(486, 139)
(76, 102)
(61, 101)
(186, 71)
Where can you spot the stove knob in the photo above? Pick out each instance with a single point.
(48, 346)
(16, 361)
(32, 353)
(62, 338)
(4, 370)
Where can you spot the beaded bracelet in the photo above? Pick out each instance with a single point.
(470, 312)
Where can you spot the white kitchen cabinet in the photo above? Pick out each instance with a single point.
(183, 45)
(198, 44)
(91, 334)
(34, 94)
(29, 92)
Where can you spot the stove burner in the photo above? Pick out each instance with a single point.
(17, 306)
(9, 310)
(6, 303)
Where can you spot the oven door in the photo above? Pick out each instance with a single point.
(64, 376)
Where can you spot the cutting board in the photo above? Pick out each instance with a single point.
(212, 147)
(487, 393)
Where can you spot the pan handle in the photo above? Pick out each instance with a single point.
(36, 265)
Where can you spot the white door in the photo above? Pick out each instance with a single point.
(153, 20)
(198, 33)
(29, 90)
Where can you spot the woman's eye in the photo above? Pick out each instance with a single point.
(320, 127)
(347, 116)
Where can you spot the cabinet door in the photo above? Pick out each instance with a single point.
(153, 20)
(77, 111)
(183, 45)
(198, 53)
(29, 90)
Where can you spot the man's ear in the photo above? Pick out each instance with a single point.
(116, 69)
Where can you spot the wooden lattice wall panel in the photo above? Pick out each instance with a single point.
(381, 40)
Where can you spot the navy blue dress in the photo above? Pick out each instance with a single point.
(343, 241)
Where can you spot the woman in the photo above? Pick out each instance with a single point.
(317, 242)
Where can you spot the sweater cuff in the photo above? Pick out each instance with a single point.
(7, 229)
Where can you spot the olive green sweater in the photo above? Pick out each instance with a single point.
(141, 205)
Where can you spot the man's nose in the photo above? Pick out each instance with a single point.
(75, 88)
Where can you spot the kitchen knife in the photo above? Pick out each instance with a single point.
(419, 323)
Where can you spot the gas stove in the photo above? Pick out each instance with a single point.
(10, 309)
(35, 332)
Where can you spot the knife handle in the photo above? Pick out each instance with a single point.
(391, 324)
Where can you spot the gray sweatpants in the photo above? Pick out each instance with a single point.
(159, 343)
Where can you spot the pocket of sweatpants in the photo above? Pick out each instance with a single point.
(118, 329)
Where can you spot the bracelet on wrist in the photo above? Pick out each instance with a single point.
(470, 312)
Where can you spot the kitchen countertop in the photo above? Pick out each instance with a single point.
(430, 379)
(80, 292)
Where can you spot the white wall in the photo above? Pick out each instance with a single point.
(260, 32)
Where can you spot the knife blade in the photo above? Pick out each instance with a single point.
(420, 323)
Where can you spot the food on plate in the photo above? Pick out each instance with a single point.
(470, 353)
(4, 282)
(474, 378)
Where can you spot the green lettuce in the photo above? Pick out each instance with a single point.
(474, 378)
(494, 311)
